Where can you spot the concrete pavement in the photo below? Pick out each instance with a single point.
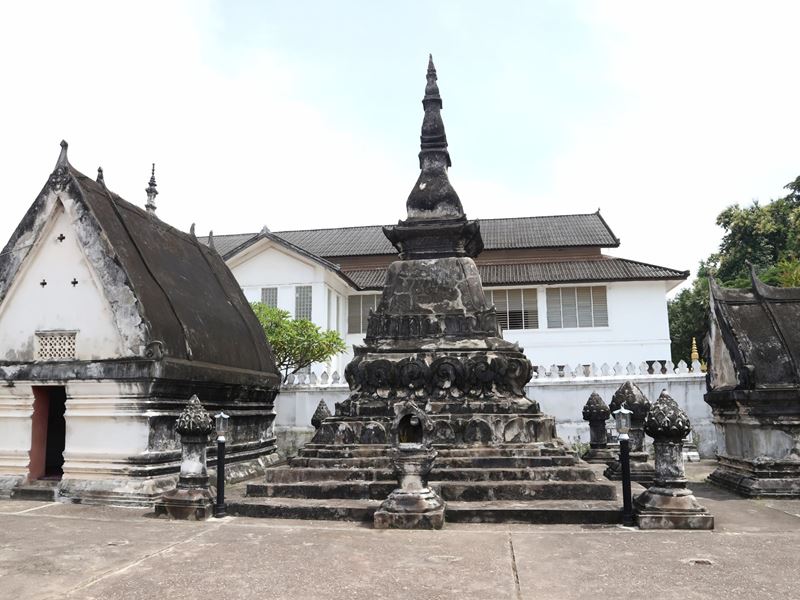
(92, 552)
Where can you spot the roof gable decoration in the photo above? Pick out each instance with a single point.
(753, 339)
(61, 192)
(171, 296)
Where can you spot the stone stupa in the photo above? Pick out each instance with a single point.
(434, 340)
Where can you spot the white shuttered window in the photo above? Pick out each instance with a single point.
(569, 307)
(516, 309)
(358, 308)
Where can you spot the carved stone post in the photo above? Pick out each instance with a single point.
(630, 396)
(320, 414)
(192, 499)
(413, 505)
(597, 413)
(668, 503)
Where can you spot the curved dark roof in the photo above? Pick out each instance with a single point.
(555, 231)
(601, 269)
(185, 294)
(759, 328)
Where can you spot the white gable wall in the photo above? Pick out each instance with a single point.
(267, 264)
(58, 306)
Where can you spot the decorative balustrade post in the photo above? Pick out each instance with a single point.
(597, 413)
(192, 498)
(413, 505)
(668, 503)
(631, 397)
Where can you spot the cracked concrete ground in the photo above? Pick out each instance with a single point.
(50, 550)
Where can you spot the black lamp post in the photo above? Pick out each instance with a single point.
(623, 422)
(222, 428)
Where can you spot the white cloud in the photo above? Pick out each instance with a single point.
(234, 150)
(706, 118)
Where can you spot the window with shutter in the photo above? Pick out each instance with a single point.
(600, 306)
(530, 306)
(358, 308)
(577, 307)
(516, 309)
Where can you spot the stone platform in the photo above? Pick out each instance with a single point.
(531, 483)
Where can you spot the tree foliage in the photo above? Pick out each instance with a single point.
(766, 236)
(296, 343)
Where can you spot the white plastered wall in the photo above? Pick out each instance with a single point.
(267, 264)
(638, 330)
(58, 305)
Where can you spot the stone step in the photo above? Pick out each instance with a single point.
(346, 490)
(543, 512)
(536, 511)
(484, 491)
(380, 451)
(304, 508)
(491, 462)
(299, 474)
(471, 491)
(39, 493)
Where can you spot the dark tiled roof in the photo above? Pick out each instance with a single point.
(182, 290)
(556, 231)
(568, 271)
(758, 328)
(226, 243)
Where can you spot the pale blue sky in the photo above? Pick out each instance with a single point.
(307, 114)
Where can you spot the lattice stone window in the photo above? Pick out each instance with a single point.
(55, 345)
(269, 296)
(302, 302)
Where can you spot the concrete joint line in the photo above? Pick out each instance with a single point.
(139, 561)
(514, 567)
(27, 510)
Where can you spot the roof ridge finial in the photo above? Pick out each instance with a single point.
(211, 240)
(62, 157)
(152, 192)
(100, 179)
(60, 178)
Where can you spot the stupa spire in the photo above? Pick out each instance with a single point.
(152, 192)
(433, 197)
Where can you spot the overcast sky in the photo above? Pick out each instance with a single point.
(306, 114)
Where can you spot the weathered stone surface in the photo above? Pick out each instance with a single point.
(596, 411)
(753, 388)
(668, 504)
(433, 351)
(192, 498)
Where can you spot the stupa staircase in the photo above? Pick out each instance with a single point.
(529, 483)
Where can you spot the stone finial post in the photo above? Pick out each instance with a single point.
(631, 397)
(320, 414)
(596, 411)
(413, 505)
(192, 498)
(668, 503)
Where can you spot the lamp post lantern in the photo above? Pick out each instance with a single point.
(222, 429)
(623, 422)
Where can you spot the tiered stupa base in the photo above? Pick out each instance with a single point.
(514, 470)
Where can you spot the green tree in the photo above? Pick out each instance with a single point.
(766, 236)
(296, 343)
